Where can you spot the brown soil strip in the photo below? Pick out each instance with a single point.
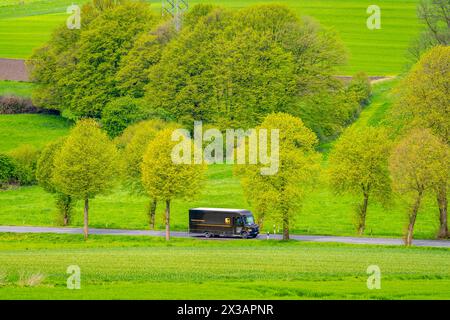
(12, 69)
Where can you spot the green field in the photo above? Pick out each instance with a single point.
(16, 88)
(149, 268)
(33, 129)
(377, 52)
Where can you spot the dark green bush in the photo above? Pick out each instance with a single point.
(7, 170)
(361, 88)
(25, 160)
(120, 113)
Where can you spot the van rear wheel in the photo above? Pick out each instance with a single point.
(208, 234)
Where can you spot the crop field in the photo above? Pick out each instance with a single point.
(377, 52)
(146, 268)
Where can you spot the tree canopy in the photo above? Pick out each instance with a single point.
(165, 180)
(420, 163)
(358, 164)
(76, 70)
(280, 195)
(86, 164)
(227, 68)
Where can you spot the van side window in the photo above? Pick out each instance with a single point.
(238, 221)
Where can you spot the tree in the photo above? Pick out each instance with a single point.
(232, 68)
(298, 166)
(358, 165)
(423, 103)
(79, 77)
(360, 86)
(44, 174)
(6, 170)
(120, 113)
(133, 153)
(165, 180)
(419, 163)
(86, 164)
(435, 15)
(146, 52)
(51, 65)
(25, 159)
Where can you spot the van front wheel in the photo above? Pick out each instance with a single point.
(244, 235)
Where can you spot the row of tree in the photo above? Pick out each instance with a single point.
(87, 163)
(412, 157)
(420, 163)
(227, 68)
(412, 160)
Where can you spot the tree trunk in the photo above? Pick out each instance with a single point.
(67, 209)
(443, 222)
(66, 220)
(152, 213)
(412, 220)
(86, 218)
(167, 219)
(285, 226)
(362, 215)
(260, 222)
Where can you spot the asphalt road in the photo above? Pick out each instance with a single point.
(124, 232)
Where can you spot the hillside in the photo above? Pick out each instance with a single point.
(377, 52)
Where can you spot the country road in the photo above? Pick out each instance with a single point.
(125, 232)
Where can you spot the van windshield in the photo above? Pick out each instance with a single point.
(248, 220)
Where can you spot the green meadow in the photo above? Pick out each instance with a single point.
(16, 88)
(377, 52)
(33, 129)
(323, 212)
(116, 267)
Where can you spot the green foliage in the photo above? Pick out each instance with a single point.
(120, 113)
(419, 163)
(162, 178)
(142, 134)
(86, 164)
(423, 94)
(132, 76)
(44, 174)
(360, 87)
(64, 204)
(358, 164)
(76, 70)
(25, 160)
(232, 68)
(281, 194)
(7, 170)
(45, 165)
(328, 112)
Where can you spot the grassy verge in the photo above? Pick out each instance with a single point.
(150, 268)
